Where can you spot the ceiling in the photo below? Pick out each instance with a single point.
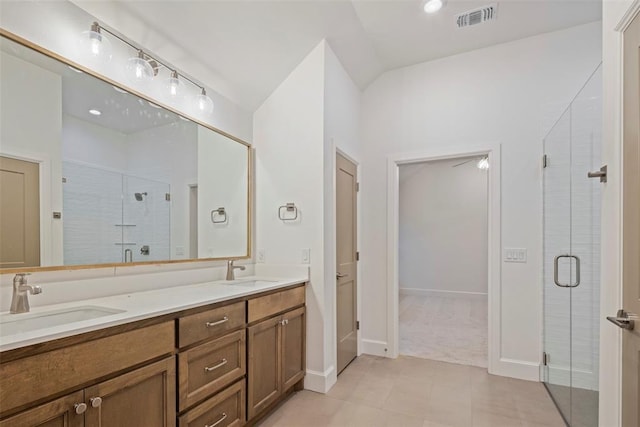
(245, 49)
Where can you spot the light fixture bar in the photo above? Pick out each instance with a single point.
(97, 28)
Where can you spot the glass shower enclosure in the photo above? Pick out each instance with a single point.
(572, 256)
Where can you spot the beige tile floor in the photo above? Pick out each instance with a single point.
(444, 326)
(409, 391)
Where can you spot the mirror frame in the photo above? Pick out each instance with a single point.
(250, 154)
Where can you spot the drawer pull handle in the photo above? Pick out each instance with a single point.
(95, 402)
(218, 322)
(214, 367)
(222, 418)
(80, 408)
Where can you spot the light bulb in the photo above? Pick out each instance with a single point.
(139, 70)
(204, 103)
(483, 163)
(174, 87)
(432, 6)
(94, 46)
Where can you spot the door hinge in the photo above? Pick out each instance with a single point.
(357, 325)
(545, 359)
(358, 256)
(167, 197)
(357, 186)
(545, 161)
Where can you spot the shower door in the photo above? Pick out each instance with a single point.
(572, 257)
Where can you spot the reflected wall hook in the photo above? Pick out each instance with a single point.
(289, 207)
(219, 216)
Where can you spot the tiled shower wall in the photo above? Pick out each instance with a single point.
(102, 218)
(572, 225)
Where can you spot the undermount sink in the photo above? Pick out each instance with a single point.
(11, 324)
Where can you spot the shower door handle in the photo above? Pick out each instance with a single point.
(556, 279)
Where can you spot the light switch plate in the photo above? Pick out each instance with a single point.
(515, 255)
(306, 256)
(261, 256)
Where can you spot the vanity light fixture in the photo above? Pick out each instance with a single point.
(204, 103)
(142, 68)
(432, 6)
(483, 163)
(95, 112)
(174, 85)
(94, 45)
(139, 70)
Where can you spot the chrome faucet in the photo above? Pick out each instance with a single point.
(20, 299)
(231, 270)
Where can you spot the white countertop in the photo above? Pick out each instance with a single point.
(138, 306)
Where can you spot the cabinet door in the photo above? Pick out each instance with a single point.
(293, 347)
(59, 413)
(264, 382)
(144, 397)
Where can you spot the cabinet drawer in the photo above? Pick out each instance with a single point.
(207, 368)
(210, 324)
(34, 378)
(275, 303)
(225, 409)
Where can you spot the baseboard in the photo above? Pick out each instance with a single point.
(513, 368)
(375, 348)
(320, 382)
(435, 292)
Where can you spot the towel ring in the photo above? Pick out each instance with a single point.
(220, 214)
(289, 207)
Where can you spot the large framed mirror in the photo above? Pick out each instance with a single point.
(95, 174)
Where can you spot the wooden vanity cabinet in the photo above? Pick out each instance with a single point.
(143, 397)
(276, 360)
(58, 413)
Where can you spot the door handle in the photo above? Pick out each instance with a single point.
(340, 276)
(556, 279)
(623, 320)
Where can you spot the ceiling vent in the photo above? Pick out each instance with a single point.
(477, 16)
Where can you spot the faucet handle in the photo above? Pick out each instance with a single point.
(35, 290)
(22, 274)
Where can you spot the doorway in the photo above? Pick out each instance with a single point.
(346, 261)
(443, 260)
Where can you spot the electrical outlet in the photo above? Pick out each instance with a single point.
(261, 256)
(515, 255)
(306, 256)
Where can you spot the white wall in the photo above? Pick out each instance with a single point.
(31, 129)
(613, 13)
(443, 242)
(501, 94)
(341, 133)
(288, 135)
(296, 132)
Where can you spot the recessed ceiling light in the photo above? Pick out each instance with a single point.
(75, 69)
(117, 89)
(154, 105)
(432, 6)
(95, 112)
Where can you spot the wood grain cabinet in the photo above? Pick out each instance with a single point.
(144, 397)
(276, 358)
(67, 411)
